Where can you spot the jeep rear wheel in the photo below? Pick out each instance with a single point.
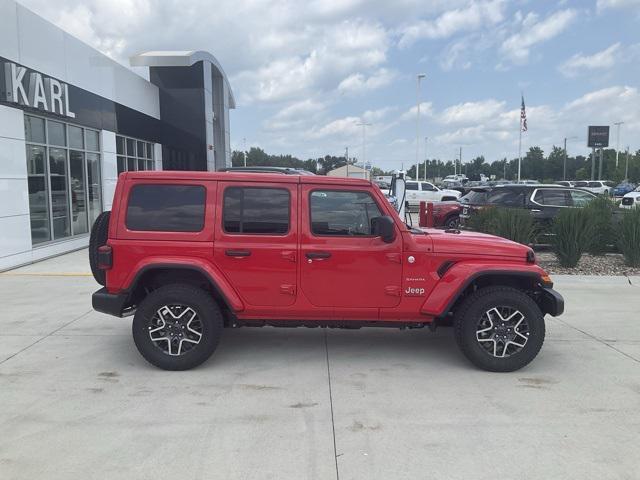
(499, 329)
(177, 327)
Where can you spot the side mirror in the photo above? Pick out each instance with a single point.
(384, 228)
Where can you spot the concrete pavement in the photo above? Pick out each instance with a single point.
(77, 401)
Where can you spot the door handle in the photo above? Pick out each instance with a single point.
(237, 253)
(317, 255)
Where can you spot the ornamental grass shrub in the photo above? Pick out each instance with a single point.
(572, 235)
(510, 223)
(600, 212)
(629, 237)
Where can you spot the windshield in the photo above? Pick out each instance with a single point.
(475, 197)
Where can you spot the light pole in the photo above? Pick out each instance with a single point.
(564, 165)
(244, 151)
(425, 158)
(626, 168)
(364, 126)
(617, 124)
(419, 77)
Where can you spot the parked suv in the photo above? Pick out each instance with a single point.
(417, 192)
(543, 201)
(189, 253)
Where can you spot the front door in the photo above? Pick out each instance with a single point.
(256, 240)
(342, 264)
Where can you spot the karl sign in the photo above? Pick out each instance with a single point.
(32, 89)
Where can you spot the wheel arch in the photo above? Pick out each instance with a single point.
(457, 283)
(152, 276)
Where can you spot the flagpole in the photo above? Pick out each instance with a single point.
(523, 120)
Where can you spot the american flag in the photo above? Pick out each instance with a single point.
(523, 117)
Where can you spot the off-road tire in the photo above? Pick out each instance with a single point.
(452, 222)
(98, 238)
(205, 307)
(471, 310)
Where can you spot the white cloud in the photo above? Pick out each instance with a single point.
(605, 4)
(517, 47)
(471, 112)
(357, 83)
(426, 110)
(472, 17)
(295, 115)
(604, 59)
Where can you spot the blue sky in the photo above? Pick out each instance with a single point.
(306, 73)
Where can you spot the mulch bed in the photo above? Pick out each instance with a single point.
(608, 264)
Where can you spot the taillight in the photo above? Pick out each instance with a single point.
(105, 257)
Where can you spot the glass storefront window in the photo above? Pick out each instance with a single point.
(93, 140)
(75, 137)
(38, 194)
(34, 129)
(94, 184)
(65, 193)
(57, 134)
(59, 192)
(134, 155)
(78, 192)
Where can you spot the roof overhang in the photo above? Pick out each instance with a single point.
(181, 59)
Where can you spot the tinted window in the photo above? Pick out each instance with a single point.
(475, 197)
(507, 197)
(256, 210)
(580, 199)
(552, 197)
(411, 185)
(581, 184)
(342, 213)
(166, 208)
(427, 187)
(594, 185)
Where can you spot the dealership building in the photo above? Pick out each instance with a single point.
(72, 119)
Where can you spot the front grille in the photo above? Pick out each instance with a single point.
(627, 201)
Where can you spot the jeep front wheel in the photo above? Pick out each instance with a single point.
(177, 327)
(499, 329)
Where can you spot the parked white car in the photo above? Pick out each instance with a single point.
(417, 192)
(631, 199)
(599, 187)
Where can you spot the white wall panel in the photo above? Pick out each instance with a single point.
(14, 197)
(108, 141)
(108, 189)
(8, 30)
(87, 68)
(135, 92)
(16, 235)
(11, 123)
(157, 155)
(41, 44)
(13, 158)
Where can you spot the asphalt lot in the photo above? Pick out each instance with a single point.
(78, 402)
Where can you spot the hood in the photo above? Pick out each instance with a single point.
(450, 192)
(632, 195)
(473, 243)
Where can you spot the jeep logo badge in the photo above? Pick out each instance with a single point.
(414, 292)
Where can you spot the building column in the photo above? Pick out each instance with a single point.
(109, 168)
(15, 225)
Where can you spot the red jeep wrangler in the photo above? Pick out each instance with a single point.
(190, 253)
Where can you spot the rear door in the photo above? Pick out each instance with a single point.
(256, 240)
(547, 202)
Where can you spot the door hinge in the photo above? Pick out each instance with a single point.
(288, 289)
(289, 255)
(394, 257)
(392, 290)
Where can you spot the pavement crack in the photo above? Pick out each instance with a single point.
(333, 424)
(46, 336)
(599, 340)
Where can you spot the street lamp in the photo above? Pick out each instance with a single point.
(617, 124)
(425, 158)
(364, 126)
(564, 165)
(419, 77)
